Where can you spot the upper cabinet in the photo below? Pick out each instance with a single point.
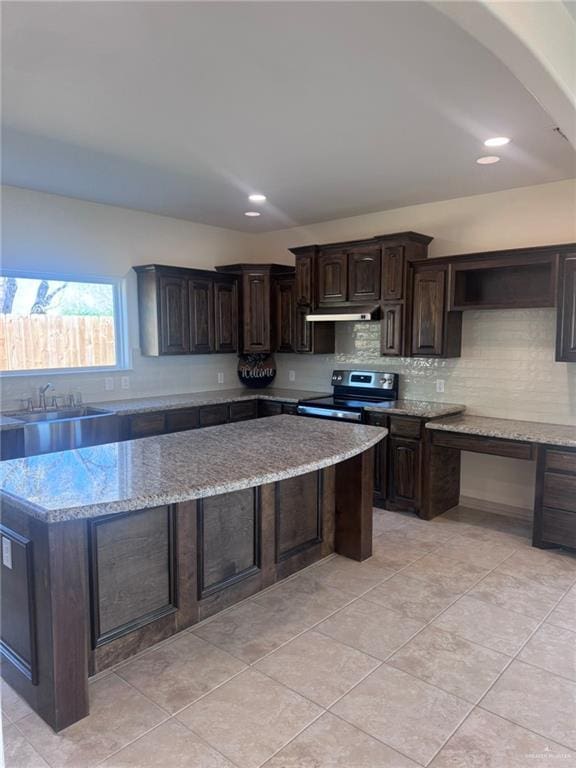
(364, 265)
(566, 328)
(435, 331)
(284, 303)
(258, 304)
(332, 276)
(186, 311)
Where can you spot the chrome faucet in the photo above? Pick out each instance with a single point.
(42, 395)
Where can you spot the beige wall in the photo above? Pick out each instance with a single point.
(60, 235)
(507, 367)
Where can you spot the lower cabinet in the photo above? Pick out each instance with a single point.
(555, 504)
(397, 462)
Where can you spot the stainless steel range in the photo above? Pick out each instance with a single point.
(353, 392)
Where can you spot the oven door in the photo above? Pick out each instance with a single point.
(330, 413)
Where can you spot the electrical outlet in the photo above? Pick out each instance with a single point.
(125, 382)
(220, 377)
(439, 385)
(291, 375)
(6, 552)
(108, 383)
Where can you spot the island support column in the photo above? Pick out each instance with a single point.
(45, 649)
(354, 496)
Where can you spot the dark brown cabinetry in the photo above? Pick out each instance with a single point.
(186, 311)
(380, 460)
(393, 272)
(364, 274)
(173, 318)
(391, 329)
(435, 332)
(257, 303)
(285, 314)
(305, 284)
(566, 329)
(226, 315)
(404, 473)
(555, 503)
(332, 277)
(201, 302)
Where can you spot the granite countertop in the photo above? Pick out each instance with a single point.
(6, 422)
(172, 402)
(421, 408)
(510, 429)
(122, 477)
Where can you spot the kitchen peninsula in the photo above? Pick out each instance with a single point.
(113, 548)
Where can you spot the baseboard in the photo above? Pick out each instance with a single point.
(520, 513)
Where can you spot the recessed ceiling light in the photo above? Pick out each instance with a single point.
(497, 141)
(252, 213)
(257, 198)
(488, 160)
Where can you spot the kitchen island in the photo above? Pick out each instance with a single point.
(110, 549)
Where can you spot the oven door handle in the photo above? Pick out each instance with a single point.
(328, 413)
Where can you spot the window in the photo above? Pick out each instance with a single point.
(52, 324)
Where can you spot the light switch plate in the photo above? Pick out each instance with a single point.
(108, 383)
(220, 378)
(291, 375)
(125, 382)
(6, 552)
(439, 385)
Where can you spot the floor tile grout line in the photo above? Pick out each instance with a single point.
(376, 738)
(515, 658)
(525, 728)
(426, 682)
(543, 669)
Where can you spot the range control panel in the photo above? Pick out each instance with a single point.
(365, 379)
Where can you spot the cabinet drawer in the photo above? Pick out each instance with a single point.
(146, 424)
(560, 461)
(290, 408)
(405, 427)
(176, 421)
(558, 527)
(377, 419)
(481, 444)
(559, 492)
(242, 411)
(210, 415)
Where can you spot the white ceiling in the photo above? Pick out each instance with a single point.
(330, 109)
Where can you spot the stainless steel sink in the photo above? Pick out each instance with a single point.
(67, 428)
(31, 417)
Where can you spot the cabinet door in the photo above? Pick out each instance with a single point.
(364, 274)
(428, 312)
(201, 303)
(256, 311)
(174, 318)
(226, 316)
(332, 277)
(304, 284)
(404, 472)
(392, 272)
(285, 315)
(212, 415)
(566, 331)
(302, 331)
(391, 329)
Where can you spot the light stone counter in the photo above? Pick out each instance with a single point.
(510, 429)
(122, 477)
(423, 409)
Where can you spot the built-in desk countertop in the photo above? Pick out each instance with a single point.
(509, 429)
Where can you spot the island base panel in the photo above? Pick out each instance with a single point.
(87, 606)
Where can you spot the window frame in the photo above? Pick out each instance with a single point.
(123, 361)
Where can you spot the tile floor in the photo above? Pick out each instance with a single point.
(453, 647)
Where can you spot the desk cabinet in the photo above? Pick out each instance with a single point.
(555, 504)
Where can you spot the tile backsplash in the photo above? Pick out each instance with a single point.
(506, 370)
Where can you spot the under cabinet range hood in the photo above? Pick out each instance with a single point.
(341, 314)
